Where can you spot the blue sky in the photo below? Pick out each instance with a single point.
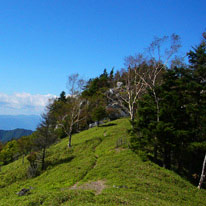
(43, 41)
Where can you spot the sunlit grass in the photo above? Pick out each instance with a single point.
(95, 156)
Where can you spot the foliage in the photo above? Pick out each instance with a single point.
(98, 85)
(98, 114)
(45, 136)
(62, 96)
(33, 168)
(9, 152)
(178, 136)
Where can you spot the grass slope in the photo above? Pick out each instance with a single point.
(94, 159)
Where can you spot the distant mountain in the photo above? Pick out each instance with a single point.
(10, 122)
(6, 135)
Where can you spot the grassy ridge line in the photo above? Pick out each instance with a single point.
(94, 156)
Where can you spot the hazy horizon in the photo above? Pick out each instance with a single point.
(10, 122)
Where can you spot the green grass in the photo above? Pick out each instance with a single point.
(94, 156)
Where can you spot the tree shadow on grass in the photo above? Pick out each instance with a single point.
(59, 161)
(108, 125)
(192, 178)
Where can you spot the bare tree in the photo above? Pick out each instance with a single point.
(145, 72)
(70, 113)
(127, 94)
(160, 53)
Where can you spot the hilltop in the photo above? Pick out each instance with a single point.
(99, 169)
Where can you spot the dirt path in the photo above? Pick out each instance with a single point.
(97, 186)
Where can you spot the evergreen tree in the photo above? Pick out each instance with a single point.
(172, 134)
(197, 107)
(98, 114)
(45, 136)
(63, 96)
(179, 135)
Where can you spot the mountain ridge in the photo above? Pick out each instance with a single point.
(7, 135)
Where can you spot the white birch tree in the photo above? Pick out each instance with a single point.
(70, 112)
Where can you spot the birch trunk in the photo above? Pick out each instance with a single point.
(70, 141)
(203, 173)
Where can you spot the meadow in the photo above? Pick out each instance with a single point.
(99, 169)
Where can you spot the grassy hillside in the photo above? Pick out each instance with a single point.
(97, 172)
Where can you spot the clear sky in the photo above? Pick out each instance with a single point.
(43, 41)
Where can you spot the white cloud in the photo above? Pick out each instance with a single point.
(23, 103)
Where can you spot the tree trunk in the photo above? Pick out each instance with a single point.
(70, 140)
(132, 116)
(167, 158)
(131, 112)
(155, 151)
(43, 159)
(203, 173)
